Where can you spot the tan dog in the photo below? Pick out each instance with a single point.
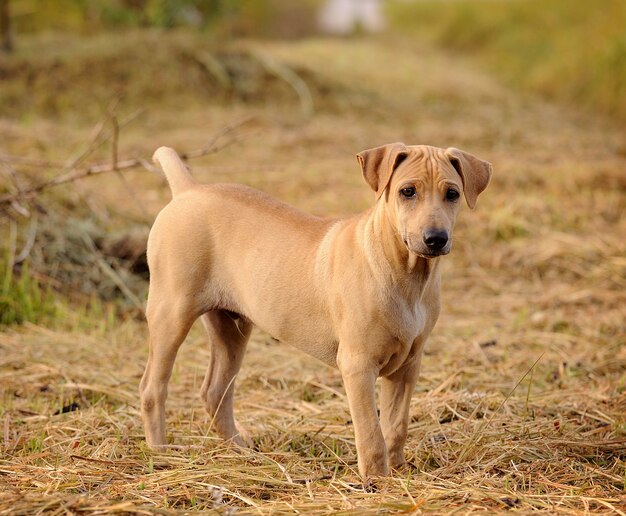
(359, 293)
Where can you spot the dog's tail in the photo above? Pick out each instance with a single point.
(178, 176)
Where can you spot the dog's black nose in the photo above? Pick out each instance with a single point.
(435, 239)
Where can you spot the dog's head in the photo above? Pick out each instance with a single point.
(422, 187)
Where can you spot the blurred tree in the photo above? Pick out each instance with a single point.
(221, 18)
(5, 26)
(137, 5)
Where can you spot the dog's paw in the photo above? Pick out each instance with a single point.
(376, 484)
(243, 438)
(404, 467)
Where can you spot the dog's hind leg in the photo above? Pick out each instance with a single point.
(228, 336)
(168, 324)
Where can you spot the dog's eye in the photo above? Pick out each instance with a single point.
(408, 192)
(452, 194)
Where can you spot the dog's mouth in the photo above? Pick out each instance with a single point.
(424, 252)
(443, 252)
(432, 254)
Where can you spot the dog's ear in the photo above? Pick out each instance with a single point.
(379, 163)
(474, 172)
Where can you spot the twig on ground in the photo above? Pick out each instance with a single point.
(285, 73)
(213, 67)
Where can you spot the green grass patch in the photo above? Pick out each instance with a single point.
(23, 297)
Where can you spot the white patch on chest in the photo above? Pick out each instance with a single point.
(406, 321)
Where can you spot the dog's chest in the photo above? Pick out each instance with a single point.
(407, 331)
(406, 321)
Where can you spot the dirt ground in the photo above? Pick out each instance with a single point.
(521, 403)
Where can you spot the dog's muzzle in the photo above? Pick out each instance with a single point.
(433, 243)
(436, 240)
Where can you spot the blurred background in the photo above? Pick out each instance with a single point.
(82, 79)
(281, 95)
(563, 50)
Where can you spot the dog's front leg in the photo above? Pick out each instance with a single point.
(395, 400)
(359, 381)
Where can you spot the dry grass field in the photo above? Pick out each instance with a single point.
(521, 403)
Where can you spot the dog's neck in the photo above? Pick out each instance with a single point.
(389, 256)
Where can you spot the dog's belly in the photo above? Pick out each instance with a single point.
(318, 344)
(272, 298)
(299, 326)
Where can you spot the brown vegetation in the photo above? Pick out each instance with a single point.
(522, 399)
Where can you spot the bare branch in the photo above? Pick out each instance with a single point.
(99, 137)
(33, 162)
(212, 146)
(115, 139)
(217, 143)
(13, 175)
